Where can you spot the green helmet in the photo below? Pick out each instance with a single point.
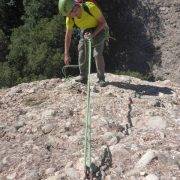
(65, 6)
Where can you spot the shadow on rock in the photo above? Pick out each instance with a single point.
(142, 89)
(134, 24)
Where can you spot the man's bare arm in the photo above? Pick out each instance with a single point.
(67, 44)
(101, 25)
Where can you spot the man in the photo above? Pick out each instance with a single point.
(90, 20)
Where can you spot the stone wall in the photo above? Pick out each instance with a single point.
(170, 42)
(146, 34)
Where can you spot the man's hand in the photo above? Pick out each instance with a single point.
(88, 35)
(67, 59)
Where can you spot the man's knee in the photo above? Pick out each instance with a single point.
(99, 57)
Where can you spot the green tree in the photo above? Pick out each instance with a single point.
(5, 71)
(37, 53)
(35, 10)
(7, 75)
(3, 46)
(10, 17)
(10, 14)
(36, 48)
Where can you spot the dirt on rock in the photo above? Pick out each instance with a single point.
(135, 129)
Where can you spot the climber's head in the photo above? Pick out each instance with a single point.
(69, 7)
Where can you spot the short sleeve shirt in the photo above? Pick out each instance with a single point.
(87, 20)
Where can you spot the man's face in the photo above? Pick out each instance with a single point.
(75, 11)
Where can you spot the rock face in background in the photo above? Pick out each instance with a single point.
(147, 37)
(42, 129)
(170, 42)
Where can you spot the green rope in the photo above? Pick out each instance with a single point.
(87, 146)
(87, 150)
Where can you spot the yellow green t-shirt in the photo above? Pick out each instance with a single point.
(86, 21)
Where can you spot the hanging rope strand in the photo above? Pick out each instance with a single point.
(87, 143)
(87, 151)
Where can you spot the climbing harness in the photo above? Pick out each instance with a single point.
(106, 38)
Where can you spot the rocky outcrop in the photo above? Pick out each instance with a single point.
(169, 67)
(134, 122)
(147, 36)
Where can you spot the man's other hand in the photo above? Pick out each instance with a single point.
(67, 59)
(87, 35)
